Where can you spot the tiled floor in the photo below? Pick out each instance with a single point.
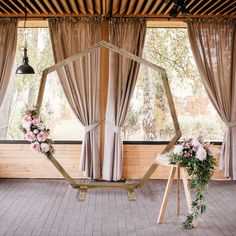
(50, 207)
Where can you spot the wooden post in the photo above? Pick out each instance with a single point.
(104, 84)
(166, 195)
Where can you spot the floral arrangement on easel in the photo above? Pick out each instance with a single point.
(36, 132)
(197, 158)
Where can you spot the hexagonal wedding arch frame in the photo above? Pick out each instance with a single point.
(129, 186)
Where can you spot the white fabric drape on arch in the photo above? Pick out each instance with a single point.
(8, 38)
(81, 81)
(129, 34)
(213, 43)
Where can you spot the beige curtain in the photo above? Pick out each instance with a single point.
(8, 36)
(128, 34)
(213, 44)
(81, 80)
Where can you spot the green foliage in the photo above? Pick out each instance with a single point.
(201, 172)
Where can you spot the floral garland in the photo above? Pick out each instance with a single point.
(197, 157)
(36, 133)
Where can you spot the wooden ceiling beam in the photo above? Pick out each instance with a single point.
(55, 2)
(146, 7)
(49, 6)
(202, 7)
(98, 7)
(16, 6)
(195, 6)
(5, 10)
(131, 6)
(191, 1)
(138, 7)
(224, 8)
(210, 13)
(123, 6)
(161, 9)
(33, 6)
(64, 4)
(156, 5)
(23, 5)
(115, 6)
(7, 5)
(73, 6)
(169, 8)
(90, 8)
(82, 7)
(42, 7)
(215, 3)
(229, 11)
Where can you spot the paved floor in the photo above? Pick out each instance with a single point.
(50, 207)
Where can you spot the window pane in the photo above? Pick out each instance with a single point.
(23, 90)
(148, 117)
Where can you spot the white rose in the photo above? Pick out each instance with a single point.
(41, 126)
(201, 153)
(35, 131)
(178, 150)
(44, 147)
(196, 143)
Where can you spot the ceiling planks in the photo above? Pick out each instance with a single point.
(108, 8)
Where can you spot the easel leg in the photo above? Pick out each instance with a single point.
(187, 193)
(167, 194)
(178, 191)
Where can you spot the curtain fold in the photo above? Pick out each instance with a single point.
(8, 38)
(213, 44)
(129, 34)
(81, 81)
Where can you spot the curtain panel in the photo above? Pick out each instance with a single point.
(81, 81)
(213, 45)
(8, 38)
(129, 34)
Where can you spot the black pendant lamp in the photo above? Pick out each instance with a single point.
(25, 68)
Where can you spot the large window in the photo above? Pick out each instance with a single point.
(23, 90)
(148, 117)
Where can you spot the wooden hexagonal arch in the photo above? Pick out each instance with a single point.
(129, 186)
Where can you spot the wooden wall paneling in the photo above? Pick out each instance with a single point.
(19, 161)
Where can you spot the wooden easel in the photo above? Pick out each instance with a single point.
(181, 172)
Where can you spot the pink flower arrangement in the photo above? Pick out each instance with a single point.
(36, 133)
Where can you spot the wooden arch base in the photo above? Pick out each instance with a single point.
(83, 187)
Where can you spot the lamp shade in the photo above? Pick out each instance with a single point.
(25, 68)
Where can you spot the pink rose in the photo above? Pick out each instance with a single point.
(27, 118)
(36, 146)
(30, 136)
(42, 136)
(36, 122)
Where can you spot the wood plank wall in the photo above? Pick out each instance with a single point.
(19, 161)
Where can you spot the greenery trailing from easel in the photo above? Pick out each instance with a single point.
(197, 158)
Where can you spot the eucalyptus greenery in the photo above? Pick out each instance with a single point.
(199, 169)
